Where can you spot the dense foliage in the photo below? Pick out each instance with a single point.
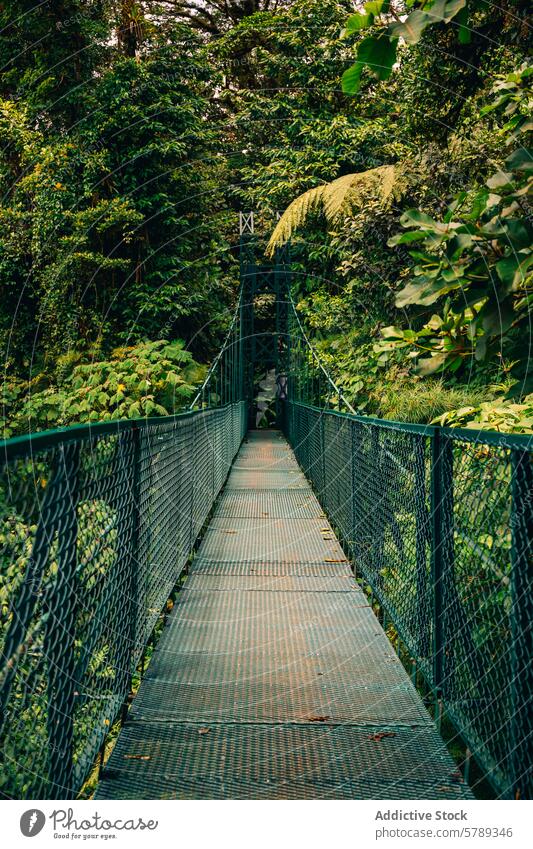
(132, 133)
(448, 301)
(112, 221)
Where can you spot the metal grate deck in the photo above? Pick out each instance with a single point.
(273, 678)
(270, 568)
(183, 761)
(291, 540)
(242, 478)
(249, 503)
(254, 582)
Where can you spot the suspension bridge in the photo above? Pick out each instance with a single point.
(254, 612)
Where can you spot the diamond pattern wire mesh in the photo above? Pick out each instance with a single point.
(487, 671)
(95, 528)
(439, 523)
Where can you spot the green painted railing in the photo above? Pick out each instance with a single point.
(439, 523)
(96, 524)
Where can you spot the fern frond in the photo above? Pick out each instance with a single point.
(339, 198)
(295, 216)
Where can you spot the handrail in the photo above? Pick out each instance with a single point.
(439, 524)
(27, 444)
(97, 523)
(489, 437)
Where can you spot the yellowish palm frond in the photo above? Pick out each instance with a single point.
(339, 198)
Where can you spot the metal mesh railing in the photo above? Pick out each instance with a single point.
(439, 523)
(96, 525)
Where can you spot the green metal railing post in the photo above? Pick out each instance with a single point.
(441, 546)
(59, 639)
(422, 624)
(323, 464)
(521, 583)
(129, 543)
(377, 520)
(135, 523)
(355, 476)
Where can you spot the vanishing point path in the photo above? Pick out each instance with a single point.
(273, 678)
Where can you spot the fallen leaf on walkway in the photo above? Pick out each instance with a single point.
(317, 718)
(381, 734)
(224, 531)
(204, 730)
(138, 757)
(333, 560)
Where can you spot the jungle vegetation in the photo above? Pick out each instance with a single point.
(394, 134)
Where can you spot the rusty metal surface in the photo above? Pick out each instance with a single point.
(271, 568)
(253, 479)
(273, 678)
(290, 540)
(250, 581)
(185, 760)
(249, 503)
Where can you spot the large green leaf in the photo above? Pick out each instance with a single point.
(500, 180)
(520, 160)
(365, 19)
(357, 22)
(512, 269)
(429, 365)
(417, 218)
(406, 238)
(413, 26)
(426, 292)
(464, 35)
(351, 78)
(376, 52)
(497, 318)
(445, 10)
(518, 233)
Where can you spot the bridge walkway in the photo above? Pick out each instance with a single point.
(273, 678)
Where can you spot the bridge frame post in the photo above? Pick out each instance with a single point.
(521, 582)
(422, 623)
(60, 652)
(132, 566)
(259, 347)
(442, 522)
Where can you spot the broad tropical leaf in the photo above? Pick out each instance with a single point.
(339, 198)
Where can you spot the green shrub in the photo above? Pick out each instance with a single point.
(149, 379)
